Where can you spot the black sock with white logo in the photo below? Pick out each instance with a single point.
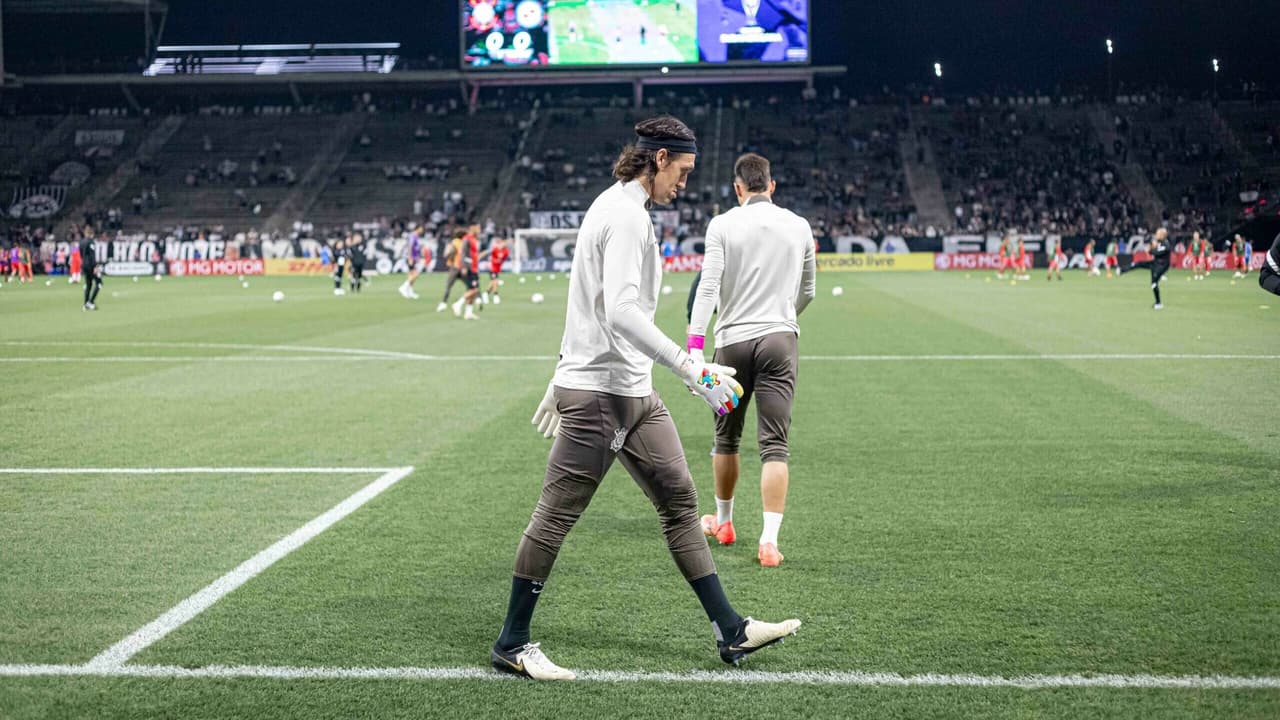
(524, 595)
(725, 623)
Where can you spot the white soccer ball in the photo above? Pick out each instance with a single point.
(241, 278)
(552, 276)
(666, 289)
(538, 278)
(277, 296)
(244, 284)
(537, 298)
(501, 283)
(522, 281)
(135, 278)
(837, 291)
(157, 277)
(49, 283)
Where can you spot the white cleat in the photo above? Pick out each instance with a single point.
(756, 635)
(528, 661)
(441, 307)
(497, 300)
(470, 315)
(339, 291)
(1158, 306)
(457, 309)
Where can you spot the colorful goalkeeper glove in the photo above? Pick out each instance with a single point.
(713, 383)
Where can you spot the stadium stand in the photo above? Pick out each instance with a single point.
(1030, 169)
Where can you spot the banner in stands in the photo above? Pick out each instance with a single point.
(36, 203)
(179, 268)
(113, 138)
(71, 173)
(1217, 261)
(862, 262)
(571, 219)
(295, 266)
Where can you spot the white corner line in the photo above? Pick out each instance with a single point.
(118, 654)
(722, 677)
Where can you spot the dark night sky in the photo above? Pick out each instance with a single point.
(983, 44)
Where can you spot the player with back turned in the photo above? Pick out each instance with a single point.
(1159, 263)
(601, 405)
(759, 271)
(92, 272)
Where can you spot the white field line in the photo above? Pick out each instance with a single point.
(201, 471)
(725, 677)
(311, 353)
(116, 655)
(248, 359)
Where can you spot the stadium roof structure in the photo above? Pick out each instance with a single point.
(84, 7)
(471, 82)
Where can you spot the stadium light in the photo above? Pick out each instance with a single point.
(1215, 64)
(937, 69)
(1111, 49)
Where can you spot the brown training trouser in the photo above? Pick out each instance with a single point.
(766, 369)
(595, 428)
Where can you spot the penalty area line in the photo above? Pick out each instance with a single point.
(115, 656)
(724, 677)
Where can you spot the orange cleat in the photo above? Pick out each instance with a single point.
(769, 555)
(720, 531)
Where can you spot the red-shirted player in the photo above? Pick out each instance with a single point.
(1024, 263)
(498, 254)
(1088, 258)
(469, 264)
(76, 264)
(1006, 257)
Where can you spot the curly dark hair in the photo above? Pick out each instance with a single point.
(635, 163)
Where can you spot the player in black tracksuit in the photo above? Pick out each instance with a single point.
(92, 273)
(339, 264)
(1269, 278)
(1159, 263)
(356, 252)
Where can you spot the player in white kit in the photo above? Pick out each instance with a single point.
(601, 406)
(759, 270)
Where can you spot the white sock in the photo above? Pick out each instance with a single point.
(724, 510)
(772, 522)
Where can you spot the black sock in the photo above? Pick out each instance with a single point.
(93, 297)
(1155, 288)
(724, 621)
(524, 595)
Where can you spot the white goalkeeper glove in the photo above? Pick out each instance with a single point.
(713, 383)
(547, 417)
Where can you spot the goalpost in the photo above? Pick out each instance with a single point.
(538, 250)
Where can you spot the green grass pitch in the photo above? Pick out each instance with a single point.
(1107, 506)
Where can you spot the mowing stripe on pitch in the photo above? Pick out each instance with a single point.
(722, 677)
(116, 655)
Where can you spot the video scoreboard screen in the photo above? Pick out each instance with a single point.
(602, 33)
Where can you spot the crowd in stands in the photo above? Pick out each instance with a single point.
(1031, 170)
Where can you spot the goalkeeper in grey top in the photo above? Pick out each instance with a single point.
(759, 269)
(601, 406)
